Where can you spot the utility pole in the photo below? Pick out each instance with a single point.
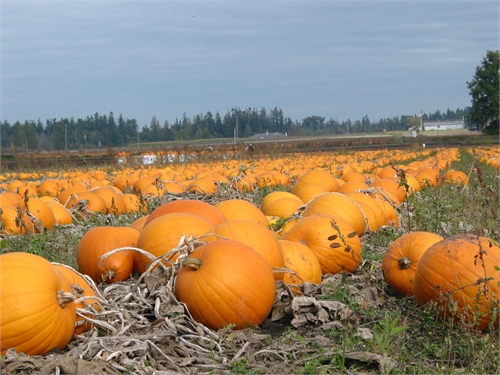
(421, 122)
(137, 136)
(66, 137)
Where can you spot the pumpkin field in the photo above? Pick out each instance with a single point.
(327, 262)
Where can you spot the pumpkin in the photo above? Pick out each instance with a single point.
(303, 262)
(81, 288)
(461, 276)
(236, 209)
(61, 214)
(195, 207)
(283, 207)
(319, 177)
(308, 192)
(41, 212)
(164, 233)
(226, 282)
(98, 241)
(37, 313)
(333, 240)
(455, 177)
(14, 220)
(257, 236)
(275, 195)
(339, 205)
(114, 202)
(372, 202)
(400, 261)
(427, 177)
(87, 202)
(391, 186)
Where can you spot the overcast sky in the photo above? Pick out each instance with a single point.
(336, 59)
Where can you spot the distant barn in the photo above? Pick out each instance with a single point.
(444, 125)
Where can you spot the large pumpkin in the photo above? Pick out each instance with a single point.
(226, 282)
(258, 237)
(400, 261)
(41, 212)
(83, 293)
(461, 275)
(303, 262)
(37, 312)
(164, 233)
(100, 240)
(334, 242)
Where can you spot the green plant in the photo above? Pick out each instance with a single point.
(385, 331)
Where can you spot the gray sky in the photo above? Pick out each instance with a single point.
(336, 59)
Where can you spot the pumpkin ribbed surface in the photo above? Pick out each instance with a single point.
(100, 240)
(400, 261)
(263, 240)
(35, 316)
(337, 249)
(461, 275)
(164, 233)
(229, 283)
(340, 205)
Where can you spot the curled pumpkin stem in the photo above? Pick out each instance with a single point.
(193, 263)
(63, 298)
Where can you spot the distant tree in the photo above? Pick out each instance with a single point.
(484, 90)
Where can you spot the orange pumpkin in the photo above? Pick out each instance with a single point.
(87, 202)
(236, 209)
(255, 235)
(303, 262)
(81, 288)
(164, 233)
(114, 202)
(319, 177)
(42, 214)
(460, 274)
(400, 261)
(195, 207)
(100, 240)
(340, 205)
(37, 313)
(333, 240)
(226, 282)
(14, 220)
(455, 177)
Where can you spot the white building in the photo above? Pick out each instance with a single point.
(444, 125)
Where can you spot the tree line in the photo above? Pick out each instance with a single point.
(107, 131)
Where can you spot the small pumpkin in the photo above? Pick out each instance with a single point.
(461, 276)
(301, 260)
(226, 282)
(100, 240)
(400, 261)
(37, 313)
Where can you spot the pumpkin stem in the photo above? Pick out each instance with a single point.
(110, 274)
(193, 263)
(63, 298)
(404, 263)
